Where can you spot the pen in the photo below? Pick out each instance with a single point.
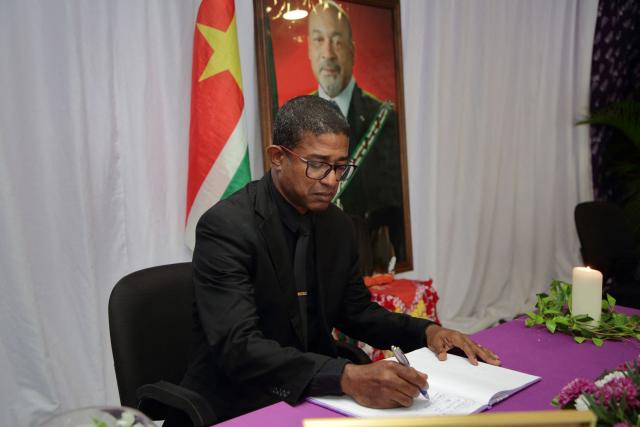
(402, 359)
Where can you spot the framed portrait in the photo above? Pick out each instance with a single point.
(348, 52)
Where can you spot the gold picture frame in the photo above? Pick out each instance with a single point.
(377, 197)
(557, 418)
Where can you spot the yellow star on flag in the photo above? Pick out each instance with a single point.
(225, 51)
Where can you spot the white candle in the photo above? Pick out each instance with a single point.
(586, 292)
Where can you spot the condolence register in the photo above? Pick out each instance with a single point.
(456, 387)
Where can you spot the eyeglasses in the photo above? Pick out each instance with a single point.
(319, 170)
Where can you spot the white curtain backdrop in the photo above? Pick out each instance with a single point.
(94, 115)
(496, 165)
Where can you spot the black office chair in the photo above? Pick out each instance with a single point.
(150, 322)
(607, 244)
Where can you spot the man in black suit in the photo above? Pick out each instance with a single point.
(375, 192)
(276, 268)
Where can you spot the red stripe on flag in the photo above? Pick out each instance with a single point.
(216, 13)
(216, 102)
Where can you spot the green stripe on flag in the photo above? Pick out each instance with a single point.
(240, 178)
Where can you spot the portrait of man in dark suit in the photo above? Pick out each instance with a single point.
(354, 65)
(375, 192)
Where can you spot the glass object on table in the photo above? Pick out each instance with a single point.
(99, 416)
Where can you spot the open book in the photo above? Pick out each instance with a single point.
(456, 387)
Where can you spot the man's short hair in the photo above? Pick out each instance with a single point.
(307, 114)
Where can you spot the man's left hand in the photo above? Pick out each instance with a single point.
(440, 340)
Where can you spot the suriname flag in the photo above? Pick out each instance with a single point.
(218, 154)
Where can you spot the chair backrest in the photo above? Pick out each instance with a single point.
(606, 238)
(150, 322)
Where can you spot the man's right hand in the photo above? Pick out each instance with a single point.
(383, 384)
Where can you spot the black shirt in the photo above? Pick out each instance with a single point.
(326, 380)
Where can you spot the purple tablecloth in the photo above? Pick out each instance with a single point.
(554, 357)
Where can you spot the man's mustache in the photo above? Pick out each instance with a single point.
(331, 64)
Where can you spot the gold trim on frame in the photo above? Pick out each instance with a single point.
(558, 418)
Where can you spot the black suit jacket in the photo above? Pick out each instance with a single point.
(247, 351)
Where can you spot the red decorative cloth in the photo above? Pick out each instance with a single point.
(414, 297)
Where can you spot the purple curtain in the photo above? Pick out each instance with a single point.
(615, 75)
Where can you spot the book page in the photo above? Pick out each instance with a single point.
(439, 404)
(457, 376)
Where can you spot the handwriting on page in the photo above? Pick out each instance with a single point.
(448, 404)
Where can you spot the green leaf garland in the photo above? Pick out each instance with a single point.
(553, 311)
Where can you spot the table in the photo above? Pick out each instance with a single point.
(554, 357)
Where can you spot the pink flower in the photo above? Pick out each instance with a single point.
(629, 365)
(613, 392)
(622, 425)
(574, 389)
